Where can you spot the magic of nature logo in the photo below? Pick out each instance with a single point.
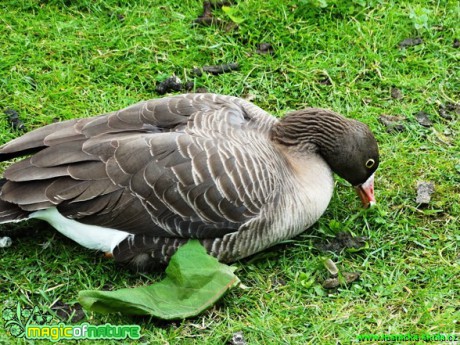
(32, 323)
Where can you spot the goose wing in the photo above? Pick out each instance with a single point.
(189, 166)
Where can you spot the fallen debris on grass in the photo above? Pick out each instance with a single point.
(409, 42)
(207, 18)
(392, 123)
(216, 69)
(456, 43)
(14, 120)
(68, 313)
(5, 242)
(343, 240)
(396, 93)
(449, 111)
(325, 81)
(424, 191)
(170, 84)
(238, 339)
(264, 48)
(423, 119)
(344, 279)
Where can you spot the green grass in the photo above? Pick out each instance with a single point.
(66, 59)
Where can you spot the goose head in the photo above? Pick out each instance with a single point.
(348, 146)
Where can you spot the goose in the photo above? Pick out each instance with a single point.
(139, 182)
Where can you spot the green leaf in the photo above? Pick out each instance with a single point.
(232, 13)
(194, 282)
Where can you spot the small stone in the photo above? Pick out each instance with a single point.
(424, 191)
(5, 242)
(423, 119)
(238, 339)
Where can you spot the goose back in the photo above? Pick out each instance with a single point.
(191, 166)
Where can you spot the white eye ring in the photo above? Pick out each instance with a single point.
(370, 163)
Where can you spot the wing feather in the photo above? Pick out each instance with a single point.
(23, 171)
(174, 167)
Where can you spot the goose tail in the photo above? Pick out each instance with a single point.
(9, 212)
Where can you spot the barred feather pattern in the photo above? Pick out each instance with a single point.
(198, 166)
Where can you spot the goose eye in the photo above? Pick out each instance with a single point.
(370, 163)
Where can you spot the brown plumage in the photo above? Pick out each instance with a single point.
(205, 166)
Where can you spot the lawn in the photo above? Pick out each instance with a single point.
(65, 59)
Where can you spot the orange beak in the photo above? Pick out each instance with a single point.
(365, 192)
